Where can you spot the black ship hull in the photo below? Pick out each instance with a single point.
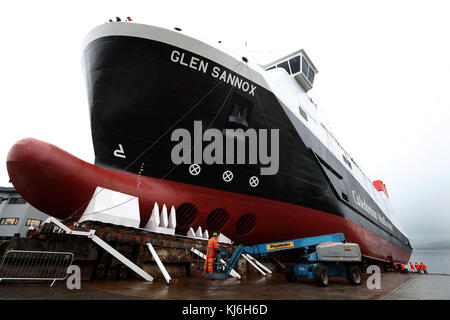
(138, 95)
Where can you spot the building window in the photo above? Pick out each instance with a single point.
(303, 113)
(9, 221)
(346, 161)
(33, 222)
(16, 201)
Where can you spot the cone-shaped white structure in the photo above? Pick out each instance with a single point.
(206, 234)
(172, 219)
(155, 212)
(190, 233)
(153, 222)
(224, 239)
(164, 220)
(199, 232)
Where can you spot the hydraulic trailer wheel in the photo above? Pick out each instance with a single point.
(321, 276)
(289, 274)
(354, 276)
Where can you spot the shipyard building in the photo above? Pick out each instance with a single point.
(17, 215)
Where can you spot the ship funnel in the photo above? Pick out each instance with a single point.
(380, 186)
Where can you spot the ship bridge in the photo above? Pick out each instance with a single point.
(299, 66)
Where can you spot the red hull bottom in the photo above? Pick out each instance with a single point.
(61, 185)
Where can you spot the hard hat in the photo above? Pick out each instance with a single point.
(215, 234)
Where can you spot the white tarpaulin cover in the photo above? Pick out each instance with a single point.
(114, 207)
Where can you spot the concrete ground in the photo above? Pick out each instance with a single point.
(423, 287)
(393, 286)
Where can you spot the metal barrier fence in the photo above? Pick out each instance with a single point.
(35, 265)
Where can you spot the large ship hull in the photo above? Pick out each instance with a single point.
(143, 83)
(61, 185)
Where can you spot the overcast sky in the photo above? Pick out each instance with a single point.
(383, 81)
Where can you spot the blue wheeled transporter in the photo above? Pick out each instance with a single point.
(327, 255)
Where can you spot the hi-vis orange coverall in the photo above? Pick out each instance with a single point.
(424, 268)
(212, 244)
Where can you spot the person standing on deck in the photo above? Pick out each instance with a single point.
(403, 269)
(212, 244)
(423, 267)
(417, 267)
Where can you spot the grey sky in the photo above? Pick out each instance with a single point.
(383, 80)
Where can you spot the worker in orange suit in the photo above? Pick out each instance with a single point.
(212, 244)
(412, 266)
(423, 267)
(417, 267)
(395, 266)
(403, 270)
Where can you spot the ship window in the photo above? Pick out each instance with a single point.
(295, 64)
(346, 161)
(9, 221)
(239, 112)
(270, 68)
(303, 113)
(311, 75)
(16, 201)
(305, 66)
(285, 66)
